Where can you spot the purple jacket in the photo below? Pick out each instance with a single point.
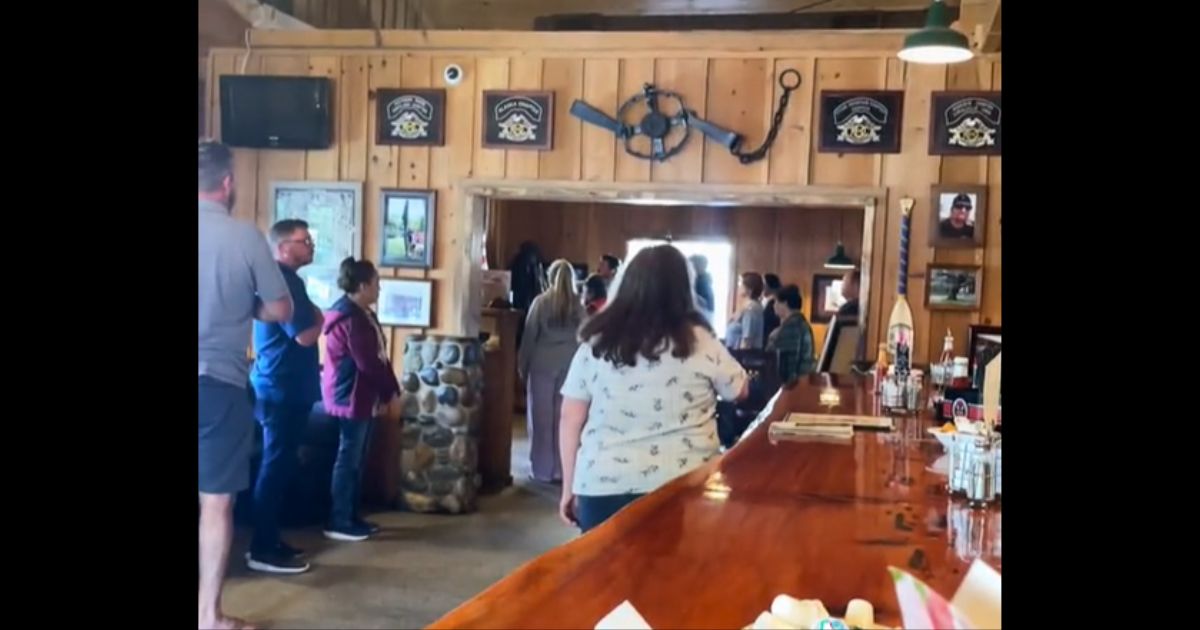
(357, 375)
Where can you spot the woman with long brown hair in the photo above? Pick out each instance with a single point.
(547, 346)
(640, 399)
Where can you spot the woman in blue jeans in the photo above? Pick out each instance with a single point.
(640, 398)
(357, 385)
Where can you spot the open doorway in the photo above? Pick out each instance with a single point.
(720, 256)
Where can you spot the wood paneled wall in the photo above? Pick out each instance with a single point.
(728, 78)
(790, 242)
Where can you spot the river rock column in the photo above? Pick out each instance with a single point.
(442, 394)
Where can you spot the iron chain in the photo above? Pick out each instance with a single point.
(776, 122)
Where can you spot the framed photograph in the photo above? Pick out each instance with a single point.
(826, 297)
(983, 343)
(965, 123)
(518, 119)
(333, 211)
(406, 236)
(953, 287)
(410, 117)
(861, 122)
(407, 303)
(959, 216)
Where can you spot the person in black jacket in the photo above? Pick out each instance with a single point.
(770, 291)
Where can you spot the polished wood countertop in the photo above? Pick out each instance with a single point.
(712, 548)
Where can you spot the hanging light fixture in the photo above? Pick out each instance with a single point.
(936, 42)
(839, 259)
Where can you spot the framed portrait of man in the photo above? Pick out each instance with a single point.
(958, 217)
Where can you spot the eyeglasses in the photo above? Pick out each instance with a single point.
(307, 241)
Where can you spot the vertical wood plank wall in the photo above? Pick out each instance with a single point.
(733, 85)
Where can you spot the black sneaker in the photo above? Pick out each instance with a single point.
(371, 528)
(288, 551)
(275, 562)
(351, 533)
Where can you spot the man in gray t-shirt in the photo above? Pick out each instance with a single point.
(238, 281)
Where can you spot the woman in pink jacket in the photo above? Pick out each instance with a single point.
(357, 385)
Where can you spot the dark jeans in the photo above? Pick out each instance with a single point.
(283, 426)
(347, 470)
(591, 511)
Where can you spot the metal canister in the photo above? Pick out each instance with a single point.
(996, 466)
(981, 488)
(913, 394)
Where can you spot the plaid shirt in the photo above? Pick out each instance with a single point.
(794, 342)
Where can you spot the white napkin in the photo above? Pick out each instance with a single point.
(623, 617)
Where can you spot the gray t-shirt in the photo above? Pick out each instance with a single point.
(235, 266)
(748, 327)
(649, 423)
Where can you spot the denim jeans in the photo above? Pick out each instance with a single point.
(591, 511)
(283, 427)
(347, 470)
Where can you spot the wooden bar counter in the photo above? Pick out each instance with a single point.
(712, 548)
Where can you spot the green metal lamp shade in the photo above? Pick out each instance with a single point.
(839, 259)
(937, 42)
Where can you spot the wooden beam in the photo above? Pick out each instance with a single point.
(219, 26)
(520, 14)
(717, 43)
(991, 38)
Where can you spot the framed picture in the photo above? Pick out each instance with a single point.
(953, 287)
(333, 211)
(406, 303)
(406, 237)
(983, 343)
(518, 119)
(826, 297)
(959, 216)
(861, 122)
(410, 117)
(965, 123)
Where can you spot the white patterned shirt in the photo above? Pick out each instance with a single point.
(652, 422)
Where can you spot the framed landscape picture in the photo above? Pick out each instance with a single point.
(333, 211)
(861, 122)
(410, 117)
(406, 236)
(965, 123)
(407, 303)
(953, 287)
(518, 119)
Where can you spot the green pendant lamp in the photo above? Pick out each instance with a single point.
(839, 259)
(936, 42)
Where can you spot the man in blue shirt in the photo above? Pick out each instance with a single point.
(286, 380)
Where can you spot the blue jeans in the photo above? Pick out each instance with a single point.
(591, 511)
(347, 470)
(283, 426)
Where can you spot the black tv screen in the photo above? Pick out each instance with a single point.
(262, 112)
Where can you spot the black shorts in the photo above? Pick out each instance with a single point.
(226, 437)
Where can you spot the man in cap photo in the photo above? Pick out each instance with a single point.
(957, 225)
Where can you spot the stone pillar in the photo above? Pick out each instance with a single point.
(442, 394)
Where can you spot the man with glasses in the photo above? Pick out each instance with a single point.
(286, 380)
(956, 225)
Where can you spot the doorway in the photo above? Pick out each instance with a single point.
(720, 256)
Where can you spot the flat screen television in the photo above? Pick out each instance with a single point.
(273, 112)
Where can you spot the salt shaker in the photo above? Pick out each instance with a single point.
(981, 488)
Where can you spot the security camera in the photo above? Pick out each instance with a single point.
(453, 74)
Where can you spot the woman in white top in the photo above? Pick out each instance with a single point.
(549, 342)
(640, 400)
